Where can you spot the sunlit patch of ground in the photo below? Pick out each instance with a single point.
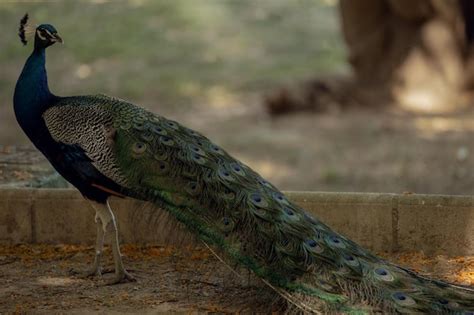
(452, 269)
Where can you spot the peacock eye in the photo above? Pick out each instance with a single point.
(41, 34)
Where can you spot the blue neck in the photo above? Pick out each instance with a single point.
(32, 96)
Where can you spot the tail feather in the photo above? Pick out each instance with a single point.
(294, 292)
(345, 279)
(232, 208)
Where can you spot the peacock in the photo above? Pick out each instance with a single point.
(105, 146)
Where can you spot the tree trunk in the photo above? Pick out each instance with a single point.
(416, 54)
(414, 51)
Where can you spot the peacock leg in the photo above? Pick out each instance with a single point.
(109, 225)
(96, 269)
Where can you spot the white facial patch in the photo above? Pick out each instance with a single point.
(40, 36)
(49, 33)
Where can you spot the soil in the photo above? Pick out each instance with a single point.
(39, 279)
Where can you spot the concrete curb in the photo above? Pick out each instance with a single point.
(381, 222)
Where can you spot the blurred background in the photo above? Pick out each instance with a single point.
(365, 95)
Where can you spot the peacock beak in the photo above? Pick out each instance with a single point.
(57, 38)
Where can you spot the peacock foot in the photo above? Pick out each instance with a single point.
(121, 277)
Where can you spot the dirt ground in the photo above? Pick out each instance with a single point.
(38, 278)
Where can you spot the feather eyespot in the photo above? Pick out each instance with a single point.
(198, 158)
(289, 214)
(258, 200)
(163, 167)
(443, 301)
(279, 197)
(172, 124)
(139, 126)
(139, 148)
(351, 260)
(158, 130)
(192, 188)
(313, 246)
(227, 224)
(264, 183)
(403, 299)
(224, 174)
(216, 149)
(166, 140)
(335, 241)
(228, 194)
(197, 150)
(349, 257)
(383, 274)
(160, 155)
(236, 168)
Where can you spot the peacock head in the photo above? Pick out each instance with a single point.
(45, 34)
